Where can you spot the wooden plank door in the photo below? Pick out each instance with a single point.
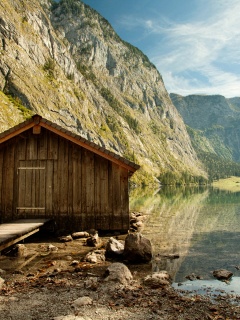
(31, 198)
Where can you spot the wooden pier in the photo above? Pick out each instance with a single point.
(15, 231)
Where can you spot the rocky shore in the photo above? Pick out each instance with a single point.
(79, 279)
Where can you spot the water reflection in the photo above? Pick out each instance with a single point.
(201, 225)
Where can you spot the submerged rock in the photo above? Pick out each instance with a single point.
(193, 277)
(157, 279)
(222, 274)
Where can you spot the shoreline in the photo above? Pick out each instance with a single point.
(46, 288)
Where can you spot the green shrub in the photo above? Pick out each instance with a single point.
(49, 67)
(16, 101)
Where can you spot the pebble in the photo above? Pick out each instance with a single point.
(82, 301)
(72, 317)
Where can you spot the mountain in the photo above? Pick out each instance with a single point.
(213, 125)
(64, 61)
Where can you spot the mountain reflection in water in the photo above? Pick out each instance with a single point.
(201, 225)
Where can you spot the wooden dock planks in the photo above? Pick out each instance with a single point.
(15, 231)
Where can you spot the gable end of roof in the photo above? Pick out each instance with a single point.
(37, 120)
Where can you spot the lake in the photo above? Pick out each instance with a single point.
(201, 225)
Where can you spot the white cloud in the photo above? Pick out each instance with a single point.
(208, 45)
(225, 84)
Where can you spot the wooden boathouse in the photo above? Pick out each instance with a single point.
(48, 172)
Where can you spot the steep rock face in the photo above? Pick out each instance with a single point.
(67, 64)
(217, 121)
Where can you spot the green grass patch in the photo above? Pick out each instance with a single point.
(231, 184)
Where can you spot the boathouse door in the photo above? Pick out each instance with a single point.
(31, 193)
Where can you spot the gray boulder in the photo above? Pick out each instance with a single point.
(137, 248)
(119, 273)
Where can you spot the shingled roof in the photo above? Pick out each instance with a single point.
(38, 121)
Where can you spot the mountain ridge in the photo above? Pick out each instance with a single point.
(213, 125)
(65, 62)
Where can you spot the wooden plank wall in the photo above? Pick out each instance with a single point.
(79, 189)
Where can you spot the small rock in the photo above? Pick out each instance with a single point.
(157, 280)
(118, 272)
(114, 248)
(20, 250)
(71, 317)
(156, 263)
(52, 248)
(30, 275)
(2, 271)
(95, 256)
(91, 283)
(136, 222)
(82, 301)
(1, 282)
(92, 232)
(192, 277)
(80, 234)
(66, 238)
(74, 263)
(69, 258)
(138, 226)
(222, 274)
(13, 299)
(172, 256)
(94, 240)
(136, 215)
(18, 272)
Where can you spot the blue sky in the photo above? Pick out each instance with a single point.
(195, 44)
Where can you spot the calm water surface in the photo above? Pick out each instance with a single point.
(201, 225)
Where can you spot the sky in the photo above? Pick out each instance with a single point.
(195, 44)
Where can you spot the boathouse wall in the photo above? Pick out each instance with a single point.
(44, 175)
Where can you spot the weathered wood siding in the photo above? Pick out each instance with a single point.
(46, 176)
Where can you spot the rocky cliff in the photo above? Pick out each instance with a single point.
(215, 120)
(65, 62)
